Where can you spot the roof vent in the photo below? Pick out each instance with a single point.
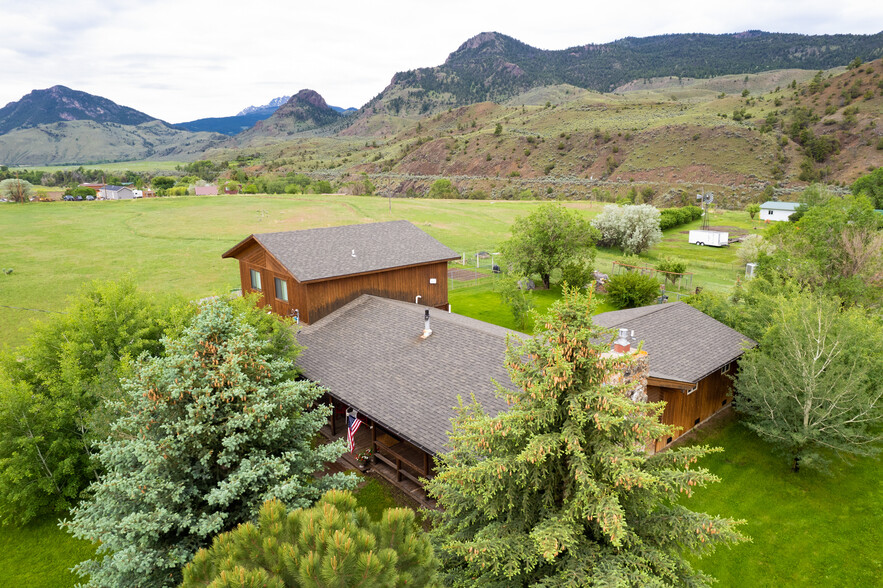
(354, 252)
(426, 330)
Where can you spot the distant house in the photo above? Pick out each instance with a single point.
(313, 272)
(692, 357)
(206, 190)
(110, 192)
(777, 211)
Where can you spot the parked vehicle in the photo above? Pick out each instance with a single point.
(90, 197)
(68, 198)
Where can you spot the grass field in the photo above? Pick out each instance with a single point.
(175, 244)
(807, 529)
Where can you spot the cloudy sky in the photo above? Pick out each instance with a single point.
(180, 60)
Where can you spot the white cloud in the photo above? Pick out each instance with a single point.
(185, 59)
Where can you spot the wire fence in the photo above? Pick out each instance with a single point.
(473, 268)
(672, 284)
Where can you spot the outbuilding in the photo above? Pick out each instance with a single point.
(777, 211)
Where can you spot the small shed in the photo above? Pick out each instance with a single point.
(310, 273)
(777, 211)
(692, 358)
(111, 192)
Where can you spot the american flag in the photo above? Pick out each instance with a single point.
(352, 425)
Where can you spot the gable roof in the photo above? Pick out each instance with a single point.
(112, 188)
(369, 355)
(320, 254)
(684, 344)
(773, 205)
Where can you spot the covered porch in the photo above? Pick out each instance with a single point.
(396, 460)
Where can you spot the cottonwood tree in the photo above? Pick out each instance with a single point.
(633, 229)
(334, 543)
(16, 190)
(53, 389)
(552, 237)
(212, 429)
(813, 385)
(558, 490)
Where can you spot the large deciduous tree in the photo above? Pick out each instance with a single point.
(813, 385)
(552, 237)
(632, 228)
(16, 190)
(331, 544)
(871, 185)
(212, 429)
(53, 389)
(558, 490)
(836, 247)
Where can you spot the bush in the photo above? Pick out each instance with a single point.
(302, 547)
(631, 228)
(753, 246)
(631, 289)
(675, 217)
(443, 189)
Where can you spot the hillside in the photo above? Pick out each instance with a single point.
(87, 141)
(495, 67)
(304, 111)
(59, 103)
(661, 144)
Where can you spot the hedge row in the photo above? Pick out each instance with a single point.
(674, 217)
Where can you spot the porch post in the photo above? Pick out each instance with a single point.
(373, 442)
(333, 419)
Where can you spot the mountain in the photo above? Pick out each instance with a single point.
(349, 110)
(304, 111)
(59, 103)
(496, 67)
(60, 126)
(226, 125)
(266, 109)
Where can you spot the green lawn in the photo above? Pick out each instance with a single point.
(175, 244)
(807, 529)
(40, 555)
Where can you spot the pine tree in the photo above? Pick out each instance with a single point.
(333, 544)
(213, 429)
(558, 490)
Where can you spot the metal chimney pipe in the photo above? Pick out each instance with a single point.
(426, 330)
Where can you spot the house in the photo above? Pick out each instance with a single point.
(692, 358)
(310, 273)
(206, 190)
(111, 192)
(777, 211)
(372, 356)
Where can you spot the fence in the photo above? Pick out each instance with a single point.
(681, 285)
(476, 267)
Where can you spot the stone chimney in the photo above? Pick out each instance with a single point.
(634, 370)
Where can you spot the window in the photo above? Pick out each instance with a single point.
(281, 289)
(255, 279)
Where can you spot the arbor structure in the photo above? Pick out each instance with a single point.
(212, 429)
(558, 490)
(332, 544)
(552, 237)
(813, 385)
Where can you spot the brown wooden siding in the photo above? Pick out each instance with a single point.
(398, 284)
(687, 410)
(313, 300)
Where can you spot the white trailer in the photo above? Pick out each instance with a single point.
(712, 238)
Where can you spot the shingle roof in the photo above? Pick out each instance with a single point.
(317, 254)
(683, 343)
(773, 205)
(369, 354)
